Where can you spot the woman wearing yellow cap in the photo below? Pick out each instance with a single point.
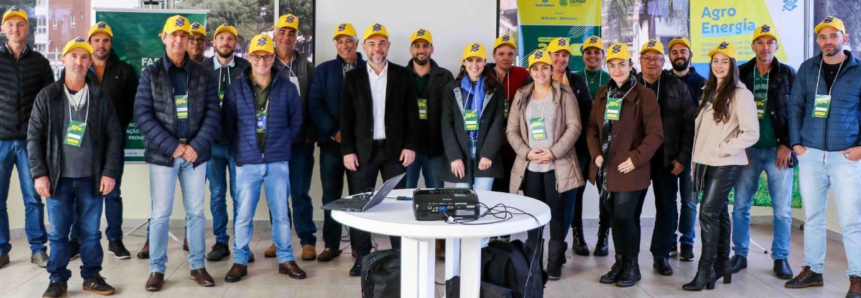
(543, 126)
(624, 131)
(727, 125)
(472, 123)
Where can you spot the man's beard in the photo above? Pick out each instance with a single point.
(225, 55)
(421, 62)
(834, 52)
(683, 66)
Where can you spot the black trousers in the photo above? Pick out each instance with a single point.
(665, 186)
(625, 209)
(715, 227)
(542, 187)
(365, 179)
(503, 184)
(603, 216)
(332, 178)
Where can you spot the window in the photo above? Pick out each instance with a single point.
(72, 20)
(55, 22)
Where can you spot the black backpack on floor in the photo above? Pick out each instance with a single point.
(381, 274)
(510, 265)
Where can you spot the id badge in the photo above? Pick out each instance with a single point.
(507, 105)
(423, 108)
(75, 133)
(470, 120)
(760, 108)
(821, 106)
(261, 122)
(614, 108)
(181, 106)
(221, 97)
(537, 128)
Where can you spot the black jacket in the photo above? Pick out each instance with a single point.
(491, 132)
(235, 72)
(20, 81)
(431, 133)
(120, 84)
(357, 113)
(46, 132)
(780, 81)
(677, 115)
(584, 102)
(324, 98)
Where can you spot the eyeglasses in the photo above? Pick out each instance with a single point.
(656, 59)
(197, 40)
(255, 58)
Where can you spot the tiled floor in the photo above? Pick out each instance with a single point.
(580, 274)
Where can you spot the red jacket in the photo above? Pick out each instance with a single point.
(515, 79)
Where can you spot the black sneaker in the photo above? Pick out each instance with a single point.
(118, 249)
(56, 289)
(97, 285)
(687, 253)
(75, 247)
(219, 251)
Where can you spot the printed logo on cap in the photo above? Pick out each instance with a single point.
(290, 19)
(506, 38)
(652, 43)
(594, 39)
(562, 42)
(474, 48)
(765, 29)
(421, 32)
(180, 21)
(79, 39)
(829, 19)
(617, 48)
(262, 41)
(723, 45)
(15, 9)
(539, 54)
(195, 26)
(101, 25)
(378, 27)
(342, 27)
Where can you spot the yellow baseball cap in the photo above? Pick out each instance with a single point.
(829, 21)
(592, 42)
(226, 28)
(344, 29)
(540, 57)
(505, 40)
(288, 20)
(764, 30)
(100, 27)
(177, 23)
(198, 28)
(77, 43)
(422, 34)
(474, 50)
(376, 29)
(15, 11)
(261, 42)
(653, 45)
(725, 48)
(559, 44)
(618, 51)
(678, 40)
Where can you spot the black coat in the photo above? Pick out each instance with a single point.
(324, 98)
(120, 84)
(20, 81)
(780, 81)
(432, 136)
(357, 113)
(677, 115)
(491, 133)
(46, 132)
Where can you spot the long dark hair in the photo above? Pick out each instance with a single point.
(723, 94)
(490, 84)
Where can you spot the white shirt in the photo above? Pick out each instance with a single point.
(378, 93)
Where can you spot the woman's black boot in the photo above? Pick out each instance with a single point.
(630, 274)
(705, 279)
(613, 276)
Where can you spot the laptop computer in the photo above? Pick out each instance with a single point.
(364, 201)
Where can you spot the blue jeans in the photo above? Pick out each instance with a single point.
(74, 196)
(688, 214)
(222, 158)
(430, 167)
(113, 213)
(274, 177)
(162, 188)
(780, 189)
(819, 171)
(13, 153)
(301, 173)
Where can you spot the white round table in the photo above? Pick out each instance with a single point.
(395, 218)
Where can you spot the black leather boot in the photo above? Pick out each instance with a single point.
(602, 246)
(723, 269)
(630, 274)
(613, 276)
(705, 278)
(555, 259)
(579, 244)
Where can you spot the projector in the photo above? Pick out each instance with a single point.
(441, 203)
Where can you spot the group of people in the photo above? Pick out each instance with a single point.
(543, 130)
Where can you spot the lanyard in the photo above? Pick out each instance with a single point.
(86, 114)
(543, 105)
(186, 85)
(219, 77)
(657, 95)
(507, 80)
(820, 76)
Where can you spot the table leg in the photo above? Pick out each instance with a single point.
(452, 258)
(417, 267)
(470, 267)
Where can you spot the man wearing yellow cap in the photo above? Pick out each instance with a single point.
(197, 42)
(680, 56)
(23, 72)
(379, 128)
(825, 133)
(324, 106)
(75, 146)
(770, 81)
(221, 167)
(258, 103)
(294, 66)
(176, 109)
(674, 154)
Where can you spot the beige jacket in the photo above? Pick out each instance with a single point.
(567, 130)
(724, 144)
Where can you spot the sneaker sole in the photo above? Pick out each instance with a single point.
(119, 257)
(815, 284)
(102, 293)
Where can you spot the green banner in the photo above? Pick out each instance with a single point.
(543, 20)
(137, 41)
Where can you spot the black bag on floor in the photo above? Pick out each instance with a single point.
(487, 290)
(381, 274)
(510, 265)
